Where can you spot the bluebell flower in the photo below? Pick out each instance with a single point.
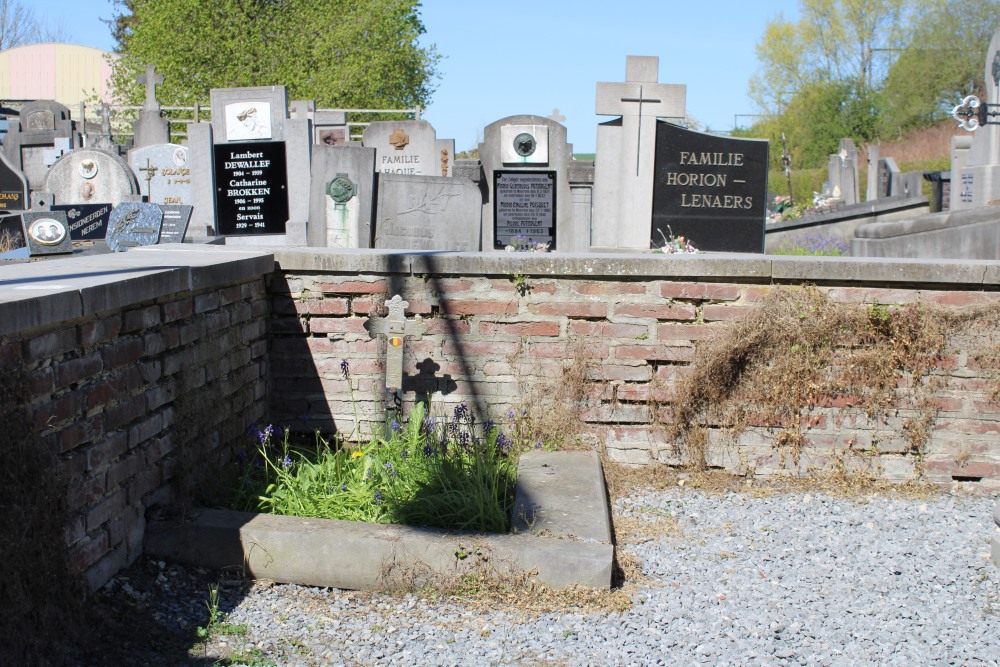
(378, 496)
(503, 442)
(510, 413)
(428, 450)
(404, 453)
(461, 412)
(343, 487)
(345, 368)
(538, 444)
(286, 462)
(488, 426)
(396, 428)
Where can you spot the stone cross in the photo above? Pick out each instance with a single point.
(626, 152)
(106, 114)
(395, 328)
(150, 79)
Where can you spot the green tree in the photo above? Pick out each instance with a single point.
(340, 53)
(941, 63)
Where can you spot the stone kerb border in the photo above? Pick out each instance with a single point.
(562, 537)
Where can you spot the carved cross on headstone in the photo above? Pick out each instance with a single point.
(150, 79)
(396, 328)
(106, 113)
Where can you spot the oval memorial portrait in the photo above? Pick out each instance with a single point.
(47, 231)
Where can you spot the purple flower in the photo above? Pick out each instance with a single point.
(378, 496)
(538, 444)
(343, 487)
(345, 368)
(510, 413)
(461, 412)
(396, 428)
(286, 462)
(488, 426)
(428, 450)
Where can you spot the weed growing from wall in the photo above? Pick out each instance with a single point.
(798, 352)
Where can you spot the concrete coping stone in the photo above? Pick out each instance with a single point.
(851, 211)
(930, 222)
(567, 541)
(52, 292)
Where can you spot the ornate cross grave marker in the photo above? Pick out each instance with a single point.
(150, 79)
(395, 328)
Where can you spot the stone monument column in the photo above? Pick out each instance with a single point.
(150, 127)
(978, 183)
(623, 169)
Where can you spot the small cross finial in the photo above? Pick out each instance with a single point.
(150, 79)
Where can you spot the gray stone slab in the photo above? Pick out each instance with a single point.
(249, 114)
(889, 270)
(13, 187)
(404, 147)
(298, 161)
(41, 124)
(562, 494)
(175, 223)
(134, 224)
(202, 164)
(428, 213)
(347, 223)
(323, 552)
(90, 176)
(164, 173)
(46, 233)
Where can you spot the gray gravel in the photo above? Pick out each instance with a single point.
(781, 580)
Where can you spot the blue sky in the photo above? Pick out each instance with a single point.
(533, 56)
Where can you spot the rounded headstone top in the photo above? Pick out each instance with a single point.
(90, 176)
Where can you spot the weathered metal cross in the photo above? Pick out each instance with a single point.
(395, 328)
(150, 171)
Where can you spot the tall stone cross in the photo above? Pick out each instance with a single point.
(150, 79)
(396, 328)
(626, 151)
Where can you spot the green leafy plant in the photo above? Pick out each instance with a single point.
(521, 283)
(455, 473)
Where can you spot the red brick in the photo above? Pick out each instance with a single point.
(283, 304)
(519, 328)
(607, 330)
(468, 348)
(609, 288)
(610, 372)
(479, 307)
(121, 471)
(53, 412)
(80, 432)
(660, 312)
(122, 353)
(105, 510)
(327, 306)
(570, 309)
(654, 352)
(73, 371)
(231, 294)
(206, 302)
(84, 492)
(128, 410)
(753, 294)
(41, 381)
(701, 291)
(106, 451)
(637, 393)
(968, 426)
(683, 332)
(354, 287)
(141, 319)
(971, 469)
(871, 295)
(619, 413)
(337, 325)
(87, 551)
(46, 346)
(569, 350)
(960, 299)
(289, 325)
(330, 368)
(100, 331)
(104, 390)
(178, 310)
(712, 313)
(448, 326)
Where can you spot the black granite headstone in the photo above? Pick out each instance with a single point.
(710, 189)
(175, 222)
(46, 232)
(13, 187)
(11, 232)
(524, 207)
(87, 222)
(251, 195)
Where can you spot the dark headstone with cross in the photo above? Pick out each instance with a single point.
(395, 328)
(150, 127)
(623, 170)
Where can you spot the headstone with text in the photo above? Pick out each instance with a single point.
(86, 222)
(134, 224)
(626, 150)
(176, 218)
(90, 176)
(251, 188)
(404, 147)
(164, 173)
(526, 161)
(342, 197)
(978, 179)
(428, 213)
(710, 189)
(13, 187)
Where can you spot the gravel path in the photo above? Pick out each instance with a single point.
(788, 579)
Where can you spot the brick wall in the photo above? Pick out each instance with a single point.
(634, 324)
(143, 373)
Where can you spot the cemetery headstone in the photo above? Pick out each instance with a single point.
(134, 224)
(13, 187)
(330, 128)
(252, 188)
(872, 187)
(46, 233)
(428, 213)
(103, 140)
(404, 147)
(150, 127)
(249, 114)
(710, 189)
(525, 162)
(887, 172)
(842, 170)
(978, 180)
(625, 161)
(87, 222)
(90, 176)
(31, 142)
(175, 222)
(163, 172)
(11, 231)
(960, 146)
(342, 197)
